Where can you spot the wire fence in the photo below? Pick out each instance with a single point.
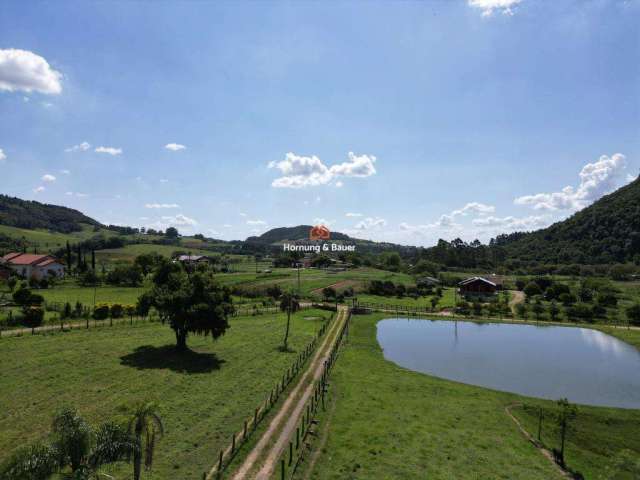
(84, 320)
(250, 425)
(294, 455)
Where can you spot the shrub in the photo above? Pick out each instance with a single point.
(101, 311)
(633, 314)
(32, 316)
(116, 310)
(532, 289)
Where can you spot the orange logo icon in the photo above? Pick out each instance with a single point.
(319, 232)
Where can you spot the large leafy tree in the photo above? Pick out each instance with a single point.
(191, 303)
(145, 426)
(77, 450)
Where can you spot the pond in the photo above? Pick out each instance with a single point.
(584, 365)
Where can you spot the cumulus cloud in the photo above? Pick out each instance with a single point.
(370, 223)
(109, 150)
(352, 214)
(300, 171)
(488, 7)
(39, 189)
(22, 70)
(474, 207)
(48, 178)
(179, 220)
(596, 179)
(174, 147)
(161, 205)
(80, 147)
(512, 223)
(323, 221)
(256, 222)
(3, 156)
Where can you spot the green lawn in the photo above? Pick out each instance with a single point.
(392, 423)
(447, 300)
(204, 396)
(85, 295)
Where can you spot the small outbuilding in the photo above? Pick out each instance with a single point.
(477, 286)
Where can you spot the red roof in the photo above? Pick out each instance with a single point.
(28, 259)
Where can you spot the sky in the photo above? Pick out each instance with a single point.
(393, 121)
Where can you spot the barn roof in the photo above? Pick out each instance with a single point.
(476, 279)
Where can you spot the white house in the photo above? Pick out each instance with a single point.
(32, 265)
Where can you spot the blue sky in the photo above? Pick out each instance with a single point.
(396, 121)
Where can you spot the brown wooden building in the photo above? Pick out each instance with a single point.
(476, 286)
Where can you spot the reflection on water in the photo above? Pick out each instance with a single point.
(584, 365)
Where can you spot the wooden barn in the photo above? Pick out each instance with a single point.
(477, 286)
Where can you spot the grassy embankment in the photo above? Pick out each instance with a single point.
(203, 396)
(392, 423)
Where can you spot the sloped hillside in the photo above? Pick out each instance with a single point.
(30, 214)
(606, 232)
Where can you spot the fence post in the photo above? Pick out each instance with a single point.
(290, 453)
(220, 462)
(244, 432)
(282, 474)
(233, 443)
(255, 419)
(297, 438)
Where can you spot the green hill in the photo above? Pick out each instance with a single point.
(32, 215)
(301, 232)
(606, 232)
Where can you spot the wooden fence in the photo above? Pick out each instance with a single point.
(226, 455)
(292, 457)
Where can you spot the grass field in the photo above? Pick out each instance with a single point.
(391, 423)
(447, 300)
(203, 396)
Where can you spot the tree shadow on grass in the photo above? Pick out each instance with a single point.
(168, 357)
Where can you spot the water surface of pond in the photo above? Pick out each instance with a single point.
(586, 366)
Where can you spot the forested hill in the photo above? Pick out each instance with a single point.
(31, 214)
(606, 232)
(301, 232)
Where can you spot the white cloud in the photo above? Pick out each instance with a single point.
(64, 171)
(351, 214)
(174, 147)
(77, 194)
(299, 171)
(26, 71)
(39, 189)
(630, 178)
(339, 184)
(370, 223)
(474, 207)
(489, 6)
(164, 180)
(256, 222)
(596, 179)
(213, 232)
(179, 220)
(3, 156)
(109, 150)
(513, 223)
(48, 178)
(161, 205)
(80, 147)
(242, 214)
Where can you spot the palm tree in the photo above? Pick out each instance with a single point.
(77, 451)
(145, 421)
(288, 303)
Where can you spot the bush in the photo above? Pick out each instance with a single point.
(532, 289)
(633, 314)
(116, 311)
(32, 316)
(127, 275)
(101, 311)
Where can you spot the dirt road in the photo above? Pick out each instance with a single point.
(262, 461)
